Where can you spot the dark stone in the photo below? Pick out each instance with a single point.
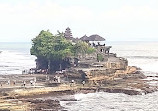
(40, 105)
(4, 110)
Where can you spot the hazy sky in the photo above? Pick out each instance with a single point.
(22, 20)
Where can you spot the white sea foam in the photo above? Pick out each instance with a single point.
(81, 96)
(102, 101)
(150, 67)
(13, 62)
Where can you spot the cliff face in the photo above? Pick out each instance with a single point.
(114, 71)
(100, 74)
(121, 78)
(92, 69)
(116, 63)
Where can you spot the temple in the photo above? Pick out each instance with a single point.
(94, 41)
(68, 34)
(97, 64)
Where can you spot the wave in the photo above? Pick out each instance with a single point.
(145, 64)
(102, 101)
(13, 62)
(151, 67)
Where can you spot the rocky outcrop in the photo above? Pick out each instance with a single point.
(110, 90)
(129, 81)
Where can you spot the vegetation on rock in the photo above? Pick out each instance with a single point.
(82, 48)
(100, 57)
(54, 52)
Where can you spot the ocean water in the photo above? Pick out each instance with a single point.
(102, 101)
(15, 57)
(140, 54)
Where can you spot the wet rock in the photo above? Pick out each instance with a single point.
(87, 90)
(40, 105)
(71, 99)
(121, 90)
(4, 110)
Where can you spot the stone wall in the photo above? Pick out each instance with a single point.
(99, 72)
(118, 65)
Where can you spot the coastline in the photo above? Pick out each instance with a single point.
(30, 97)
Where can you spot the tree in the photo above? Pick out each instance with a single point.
(53, 51)
(40, 44)
(82, 48)
(51, 47)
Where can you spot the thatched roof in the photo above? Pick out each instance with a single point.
(94, 37)
(84, 37)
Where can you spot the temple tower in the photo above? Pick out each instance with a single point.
(68, 34)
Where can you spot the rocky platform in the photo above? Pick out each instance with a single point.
(36, 98)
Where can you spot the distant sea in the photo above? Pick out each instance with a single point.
(141, 54)
(16, 57)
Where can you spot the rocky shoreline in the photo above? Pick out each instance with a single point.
(43, 97)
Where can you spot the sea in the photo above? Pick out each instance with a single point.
(15, 57)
